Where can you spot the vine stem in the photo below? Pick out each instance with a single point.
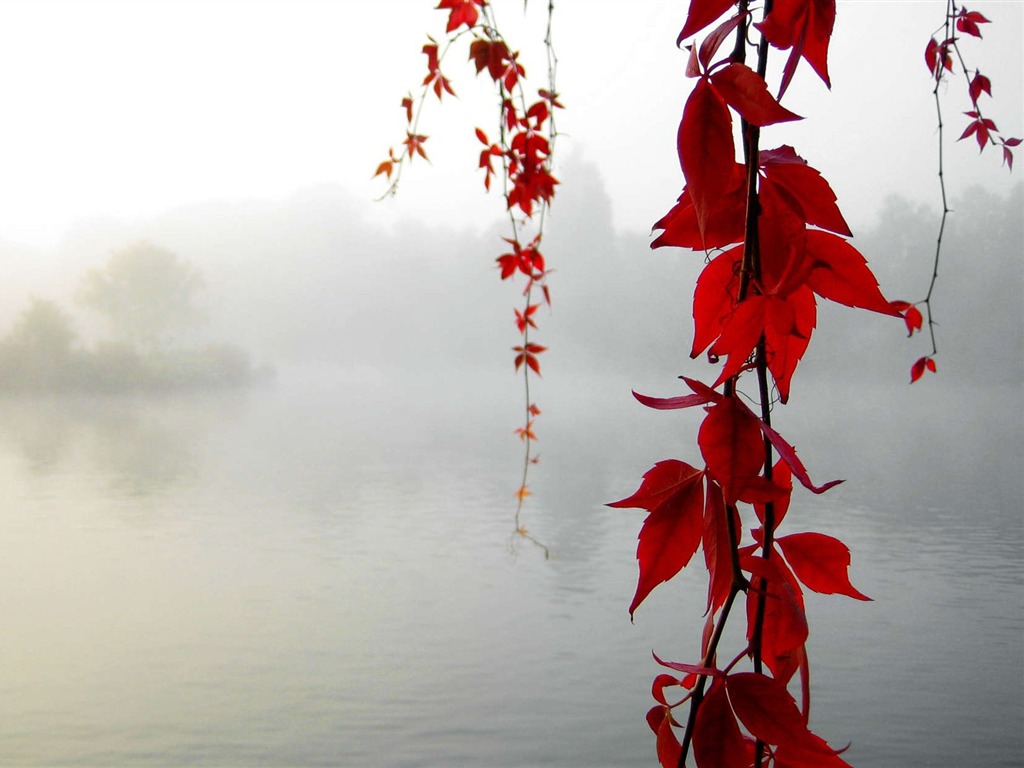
(750, 271)
(527, 434)
(948, 33)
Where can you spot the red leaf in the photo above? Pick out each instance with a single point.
(821, 562)
(918, 368)
(782, 476)
(911, 316)
(788, 454)
(811, 193)
(746, 92)
(765, 708)
(937, 57)
(706, 150)
(979, 85)
(785, 624)
(690, 669)
(672, 491)
(717, 548)
(712, 42)
(724, 224)
(714, 298)
(658, 687)
(968, 21)
(702, 13)
(805, 26)
(730, 442)
(462, 12)
(717, 739)
(669, 748)
(414, 145)
(740, 334)
(840, 273)
(789, 324)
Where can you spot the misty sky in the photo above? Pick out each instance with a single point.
(124, 109)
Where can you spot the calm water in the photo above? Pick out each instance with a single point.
(322, 573)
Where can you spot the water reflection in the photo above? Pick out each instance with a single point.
(137, 446)
(323, 579)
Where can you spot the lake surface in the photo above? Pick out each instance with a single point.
(322, 572)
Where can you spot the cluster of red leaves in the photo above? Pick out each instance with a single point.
(754, 307)
(938, 57)
(520, 156)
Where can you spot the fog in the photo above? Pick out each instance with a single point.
(310, 280)
(274, 525)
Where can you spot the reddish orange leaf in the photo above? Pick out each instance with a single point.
(461, 12)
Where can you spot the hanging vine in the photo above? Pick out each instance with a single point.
(523, 150)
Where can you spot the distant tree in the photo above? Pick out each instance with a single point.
(39, 351)
(44, 330)
(145, 293)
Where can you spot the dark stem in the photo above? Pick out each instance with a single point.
(749, 279)
(950, 15)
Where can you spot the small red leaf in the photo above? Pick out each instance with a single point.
(920, 365)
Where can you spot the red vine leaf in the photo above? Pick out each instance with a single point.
(820, 562)
(689, 669)
(702, 13)
(788, 454)
(1008, 152)
(766, 709)
(714, 41)
(911, 316)
(746, 92)
(717, 546)
(937, 57)
(805, 26)
(714, 298)
(414, 145)
(658, 687)
(723, 224)
(672, 491)
(782, 476)
(706, 150)
(718, 741)
(461, 12)
(811, 194)
(669, 748)
(528, 354)
(979, 85)
(784, 629)
(730, 442)
(920, 366)
(840, 273)
(968, 21)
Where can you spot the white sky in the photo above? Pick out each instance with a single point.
(127, 108)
